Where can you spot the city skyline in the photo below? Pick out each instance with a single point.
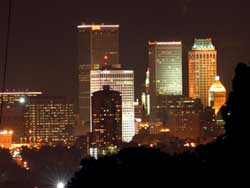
(57, 43)
(113, 90)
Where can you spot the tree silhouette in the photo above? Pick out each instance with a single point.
(236, 111)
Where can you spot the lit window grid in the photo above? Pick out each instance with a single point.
(202, 71)
(48, 122)
(123, 82)
(167, 60)
(12, 97)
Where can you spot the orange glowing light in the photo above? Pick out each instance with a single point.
(166, 130)
(95, 27)
(105, 57)
(5, 132)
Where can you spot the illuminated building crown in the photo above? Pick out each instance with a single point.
(217, 86)
(203, 44)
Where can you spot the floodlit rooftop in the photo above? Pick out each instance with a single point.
(20, 93)
(97, 27)
(203, 44)
(164, 43)
(217, 86)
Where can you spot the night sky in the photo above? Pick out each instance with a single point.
(43, 43)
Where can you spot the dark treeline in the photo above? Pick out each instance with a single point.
(11, 175)
(48, 165)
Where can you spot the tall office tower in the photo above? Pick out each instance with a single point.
(165, 66)
(123, 82)
(202, 69)
(107, 117)
(217, 95)
(49, 120)
(95, 43)
(13, 104)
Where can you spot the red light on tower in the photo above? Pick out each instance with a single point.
(105, 57)
(105, 61)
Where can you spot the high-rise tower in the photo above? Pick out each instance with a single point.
(95, 43)
(165, 67)
(202, 69)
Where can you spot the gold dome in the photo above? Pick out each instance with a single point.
(217, 86)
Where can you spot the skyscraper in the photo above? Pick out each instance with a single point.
(123, 82)
(95, 43)
(107, 117)
(202, 69)
(217, 95)
(165, 67)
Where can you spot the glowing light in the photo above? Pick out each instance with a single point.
(95, 28)
(166, 130)
(22, 100)
(138, 120)
(60, 185)
(186, 145)
(105, 57)
(192, 144)
(20, 93)
(144, 125)
(165, 43)
(5, 132)
(127, 71)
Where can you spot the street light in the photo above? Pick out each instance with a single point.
(60, 185)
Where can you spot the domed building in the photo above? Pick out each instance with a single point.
(217, 95)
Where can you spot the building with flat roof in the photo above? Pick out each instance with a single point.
(49, 120)
(96, 43)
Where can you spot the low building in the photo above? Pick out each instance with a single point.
(13, 104)
(6, 138)
(184, 118)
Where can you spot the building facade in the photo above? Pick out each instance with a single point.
(165, 67)
(49, 120)
(217, 95)
(202, 69)
(123, 82)
(184, 118)
(95, 43)
(6, 137)
(13, 104)
(106, 117)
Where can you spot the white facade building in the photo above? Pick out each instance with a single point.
(122, 81)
